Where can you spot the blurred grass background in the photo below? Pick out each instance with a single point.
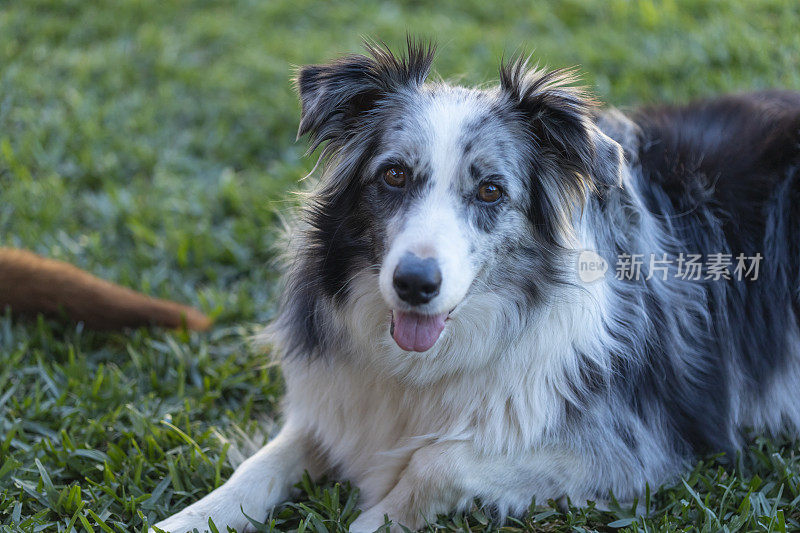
(152, 143)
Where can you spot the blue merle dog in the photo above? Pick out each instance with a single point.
(437, 337)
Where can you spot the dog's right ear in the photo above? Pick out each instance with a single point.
(559, 116)
(336, 95)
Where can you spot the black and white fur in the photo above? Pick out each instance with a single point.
(540, 385)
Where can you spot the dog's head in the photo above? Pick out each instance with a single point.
(445, 192)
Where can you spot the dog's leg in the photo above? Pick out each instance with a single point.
(260, 483)
(443, 477)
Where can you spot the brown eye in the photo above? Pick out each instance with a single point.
(395, 176)
(489, 193)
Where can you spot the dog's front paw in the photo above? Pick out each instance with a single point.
(180, 524)
(372, 520)
(190, 519)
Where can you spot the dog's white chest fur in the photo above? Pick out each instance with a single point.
(370, 425)
(369, 422)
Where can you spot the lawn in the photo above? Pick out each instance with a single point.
(153, 143)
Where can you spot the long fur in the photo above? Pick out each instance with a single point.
(540, 385)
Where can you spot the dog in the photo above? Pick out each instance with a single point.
(31, 285)
(461, 318)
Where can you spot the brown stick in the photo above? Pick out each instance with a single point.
(32, 284)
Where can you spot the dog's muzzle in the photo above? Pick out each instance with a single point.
(416, 281)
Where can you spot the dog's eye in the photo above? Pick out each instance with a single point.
(395, 176)
(489, 193)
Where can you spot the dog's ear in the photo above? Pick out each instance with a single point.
(559, 116)
(336, 95)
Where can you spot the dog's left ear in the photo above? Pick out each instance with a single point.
(559, 115)
(337, 95)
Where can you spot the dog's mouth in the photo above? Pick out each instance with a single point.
(415, 332)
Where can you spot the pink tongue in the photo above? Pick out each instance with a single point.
(414, 332)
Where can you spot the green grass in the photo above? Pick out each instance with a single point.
(152, 143)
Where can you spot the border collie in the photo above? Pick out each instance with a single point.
(508, 293)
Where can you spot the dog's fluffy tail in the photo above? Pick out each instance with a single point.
(31, 284)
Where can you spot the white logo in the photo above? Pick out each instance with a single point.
(591, 267)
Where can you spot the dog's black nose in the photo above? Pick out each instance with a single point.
(417, 280)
